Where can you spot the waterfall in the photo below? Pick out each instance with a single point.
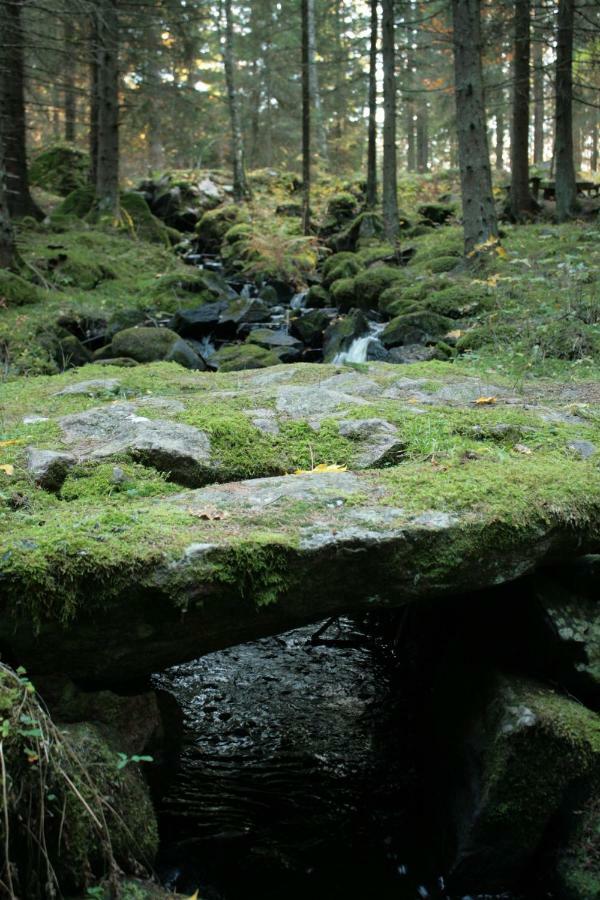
(298, 300)
(359, 348)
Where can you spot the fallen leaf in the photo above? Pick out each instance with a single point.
(209, 515)
(522, 448)
(455, 335)
(485, 401)
(7, 469)
(501, 252)
(10, 443)
(195, 896)
(322, 467)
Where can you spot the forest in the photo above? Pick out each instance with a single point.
(300, 449)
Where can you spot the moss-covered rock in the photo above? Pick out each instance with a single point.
(318, 297)
(78, 203)
(523, 757)
(415, 328)
(342, 294)
(367, 226)
(442, 264)
(140, 221)
(146, 345)
(60, 170)
(17, 291)
(568, 339)
(215, 223)
(69, 785)
(579, 858)
(370, 285)
(309, 327)
(341, 207)
(341, 265)
(438, 213)
(236, 357)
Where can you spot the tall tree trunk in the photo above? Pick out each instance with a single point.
(594, 155)
(500, 132)
(240, 184)
(390, 162)
(538, 96)
(372, 145)
(566, 187)
(521, 201)
(94, 97)
(12, 111)
(305, 117)
(70, 97)
(8, 251)
(479, 213)
(315, 92)
(422, 137)
(107, 176)
(411, 136)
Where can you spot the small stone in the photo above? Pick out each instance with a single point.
(93, 388)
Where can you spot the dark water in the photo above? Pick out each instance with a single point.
(300, 773)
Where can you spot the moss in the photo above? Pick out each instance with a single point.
(78, 203)
(568, 339)
(342, 294)
(139, 221)
(318, 297)
(144, 344)
(214, 224)
(528, 769)
(17, 291)
(415, 328)
(370, 285)
(65, 784)
(579, 860)
(61, 169)
(438, 213)
(235, 357)
(340, 265)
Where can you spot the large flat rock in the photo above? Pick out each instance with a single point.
(451, 485)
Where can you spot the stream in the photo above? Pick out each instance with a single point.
(299, 774)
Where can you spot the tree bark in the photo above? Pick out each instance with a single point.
(107, 176)
(8, 251)
(538, 98)
(94, 97)
(372, 143)
(521, 201)
(240, 184)
(70, 97)
(422, 137)
(566, 187)
(306, 142)
(500, 131)
(315, 92)
(390, 162)
(12, 112)
(594, 156)
(479, 213)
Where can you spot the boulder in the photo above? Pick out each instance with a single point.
(198, 322)
(342, 294)
(318, 297)
(415, 328)
(144, 344)
(287, 347)
(370, 285)
(524, 755)
(380, 443)
(579, 857)
(438, 213)
(310, 327)
(235, 357)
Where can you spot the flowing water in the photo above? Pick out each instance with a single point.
(359, 348)
(300, 773)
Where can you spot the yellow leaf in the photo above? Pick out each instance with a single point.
(10, 443)
(195, 896)
(209, 514)
(322, 467)
(485, 401)
(455, 335)
(523, 448)
(7, 469)
(501, 252)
